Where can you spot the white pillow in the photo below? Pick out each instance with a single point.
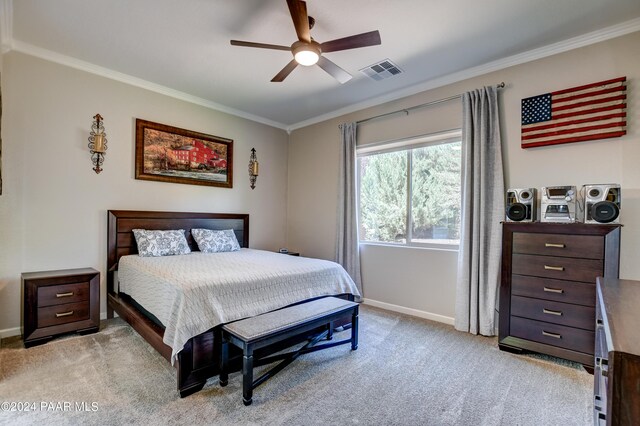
(161, 243)
(210, 241)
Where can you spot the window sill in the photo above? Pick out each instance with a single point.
(432, 246)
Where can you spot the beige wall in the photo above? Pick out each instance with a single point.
(53, 207)
(423, 280)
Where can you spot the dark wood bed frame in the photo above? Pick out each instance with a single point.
(199, 359)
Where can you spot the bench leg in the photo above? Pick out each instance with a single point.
(247, 375)
(354, 329)
(224, 363)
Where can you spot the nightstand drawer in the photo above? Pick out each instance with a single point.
(61, 294)
(563, 268)
(583, 246)
(555, 312)
(62, 314)
(550, 289)
(553, 334)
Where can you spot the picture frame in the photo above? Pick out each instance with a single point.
(171, 154)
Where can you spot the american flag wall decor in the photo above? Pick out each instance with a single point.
(584, 113)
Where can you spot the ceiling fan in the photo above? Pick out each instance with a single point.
(306, 51)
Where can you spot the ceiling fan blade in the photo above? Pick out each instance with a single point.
(260, 45)
(338, 73)
(298, 10)
(285, 71)
(372, 38)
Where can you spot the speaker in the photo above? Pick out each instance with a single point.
(602, 203)
(521, 205)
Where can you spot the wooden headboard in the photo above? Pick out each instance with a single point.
(121, 242)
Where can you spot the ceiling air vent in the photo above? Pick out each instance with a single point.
(381, 70)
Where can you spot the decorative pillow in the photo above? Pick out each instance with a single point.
(210, 241)
(161, 243)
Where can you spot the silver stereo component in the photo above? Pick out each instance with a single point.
(602, 203)
(521, 205)
(558, 204)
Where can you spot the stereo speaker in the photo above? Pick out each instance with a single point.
(521, 205)
(602, 203)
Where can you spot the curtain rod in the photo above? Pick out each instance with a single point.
(406, 110)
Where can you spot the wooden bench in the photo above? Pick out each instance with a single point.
(257, 332)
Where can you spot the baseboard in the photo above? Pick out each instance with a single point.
(409, 311)
(9, 332)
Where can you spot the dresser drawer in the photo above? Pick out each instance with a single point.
(63, 314)
(553, 334)
(555, 312)
(583, 246)
(563, 268)
(561, 291)
(61, 294)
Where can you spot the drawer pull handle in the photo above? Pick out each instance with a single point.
(64, 294)
(554, 290)
(555, 335)
(550, 312)
(64, 314)
(554, 268)
(554, 245)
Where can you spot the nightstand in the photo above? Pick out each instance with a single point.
(57, 302)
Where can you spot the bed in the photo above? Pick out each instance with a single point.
(194, 352)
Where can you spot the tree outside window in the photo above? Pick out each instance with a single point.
(412, 195)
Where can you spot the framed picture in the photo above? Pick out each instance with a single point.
(170, 154)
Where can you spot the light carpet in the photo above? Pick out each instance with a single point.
(407, 371)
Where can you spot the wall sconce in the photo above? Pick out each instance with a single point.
(97, 143)
(253, 168)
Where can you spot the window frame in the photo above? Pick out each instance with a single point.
(408, 145)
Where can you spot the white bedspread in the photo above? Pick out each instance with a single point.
(192, 293)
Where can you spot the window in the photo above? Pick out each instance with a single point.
(409, 191)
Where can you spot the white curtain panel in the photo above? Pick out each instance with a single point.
(482, 211)
(347, 251)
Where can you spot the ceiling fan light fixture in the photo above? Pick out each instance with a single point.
(307, 57)
(306, 54)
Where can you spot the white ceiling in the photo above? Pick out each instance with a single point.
(184, 45)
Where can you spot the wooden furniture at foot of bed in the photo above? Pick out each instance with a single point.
(264, 330)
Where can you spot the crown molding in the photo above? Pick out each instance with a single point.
(7, 43)
(29, 49)
(6, 25)
(521, 58)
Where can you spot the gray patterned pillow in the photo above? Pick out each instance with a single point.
(210, 241)
(161, 243)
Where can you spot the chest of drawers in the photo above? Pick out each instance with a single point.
(56, 302)
(547, 290)
(617, 353)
